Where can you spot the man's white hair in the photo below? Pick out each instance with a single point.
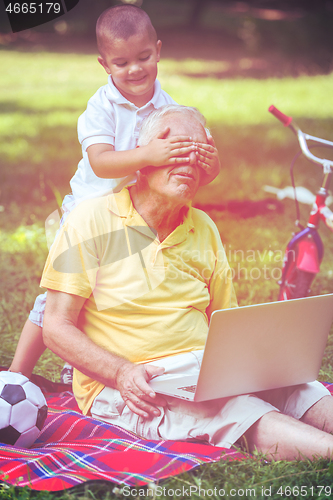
(151, 125)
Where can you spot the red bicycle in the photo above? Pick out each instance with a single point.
(305, 250)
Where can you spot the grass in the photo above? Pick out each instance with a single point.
(42, 94)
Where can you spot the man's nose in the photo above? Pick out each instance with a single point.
(193, 158)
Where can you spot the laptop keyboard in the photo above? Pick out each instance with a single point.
(189, 388)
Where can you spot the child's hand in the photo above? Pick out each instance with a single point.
(207, 158)
(163, 150)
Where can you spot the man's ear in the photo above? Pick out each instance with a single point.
(142, 181)
(104, 64)
(158, 49)
(143, 172)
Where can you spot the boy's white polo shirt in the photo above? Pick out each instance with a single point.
(110, 119)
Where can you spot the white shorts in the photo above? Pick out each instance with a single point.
(36, 315)
(220, 422)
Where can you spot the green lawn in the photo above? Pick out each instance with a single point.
(42, 95)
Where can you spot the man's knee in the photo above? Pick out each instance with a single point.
(255, 434)
(282, 437)
(320, 415)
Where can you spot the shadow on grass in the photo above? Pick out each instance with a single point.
(45, 161)
(13, 107)
(251, 157)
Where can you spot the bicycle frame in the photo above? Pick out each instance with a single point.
(305, 250)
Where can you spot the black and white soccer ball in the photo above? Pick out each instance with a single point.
(23, 410)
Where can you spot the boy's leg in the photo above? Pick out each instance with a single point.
(30, 346)
(29, 349)
(282, 437)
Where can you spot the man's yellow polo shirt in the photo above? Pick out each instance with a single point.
(144, 299)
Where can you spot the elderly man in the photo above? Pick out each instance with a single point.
(133, 279)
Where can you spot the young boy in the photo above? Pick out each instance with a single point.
(108, 131)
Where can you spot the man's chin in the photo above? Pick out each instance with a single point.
(186, 190)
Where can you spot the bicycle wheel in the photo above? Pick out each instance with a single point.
(296, 284)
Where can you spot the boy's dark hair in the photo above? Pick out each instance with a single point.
(121, 22)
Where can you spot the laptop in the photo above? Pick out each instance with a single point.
(258, 347)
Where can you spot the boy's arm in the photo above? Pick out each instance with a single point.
(110, 164)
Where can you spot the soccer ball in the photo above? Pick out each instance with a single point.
(23, 410)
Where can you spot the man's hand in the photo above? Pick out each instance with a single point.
(132, 383)
(207, 158)
(163, 150)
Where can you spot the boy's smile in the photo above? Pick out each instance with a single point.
(132, 64)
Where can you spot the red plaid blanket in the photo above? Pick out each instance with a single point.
(73, 449)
